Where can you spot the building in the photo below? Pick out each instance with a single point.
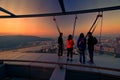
(117, 47)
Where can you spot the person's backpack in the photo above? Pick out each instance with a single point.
(95, 41)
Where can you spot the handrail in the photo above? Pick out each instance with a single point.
(69, 64)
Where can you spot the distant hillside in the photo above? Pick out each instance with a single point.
(11, 42)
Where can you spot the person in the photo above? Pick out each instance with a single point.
(70, 43)
(81, 44)
(60, 45)
(90, 47)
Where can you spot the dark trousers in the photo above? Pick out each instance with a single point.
(70, 52)
(60, 50)
(91, 55)
(82, 56)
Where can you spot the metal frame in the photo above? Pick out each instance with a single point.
(62, 6)
(60, 13)
(6, 11)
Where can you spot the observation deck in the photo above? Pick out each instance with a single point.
(46, 66)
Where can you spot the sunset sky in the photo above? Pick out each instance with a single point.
(45, 26)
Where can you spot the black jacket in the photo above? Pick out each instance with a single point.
(60, 40)
(91, 43)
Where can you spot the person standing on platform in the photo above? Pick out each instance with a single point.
(70, 43)
(91, 47)
(81, 44)
(60, 45)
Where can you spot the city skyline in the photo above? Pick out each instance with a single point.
(45, 26)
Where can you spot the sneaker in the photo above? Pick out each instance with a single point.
(58, 54)
(90, 62)
(61, 67)
(67, 59)
(83, 62)
(71, 59)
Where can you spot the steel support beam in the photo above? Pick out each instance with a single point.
(6, 11)
(62, 5)
(66, 13)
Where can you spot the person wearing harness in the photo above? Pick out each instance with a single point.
(60, 45)
(70, 43)
(81, 44)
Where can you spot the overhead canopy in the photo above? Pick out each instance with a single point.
(43, 8)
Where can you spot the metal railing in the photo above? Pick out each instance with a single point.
(68, 64)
